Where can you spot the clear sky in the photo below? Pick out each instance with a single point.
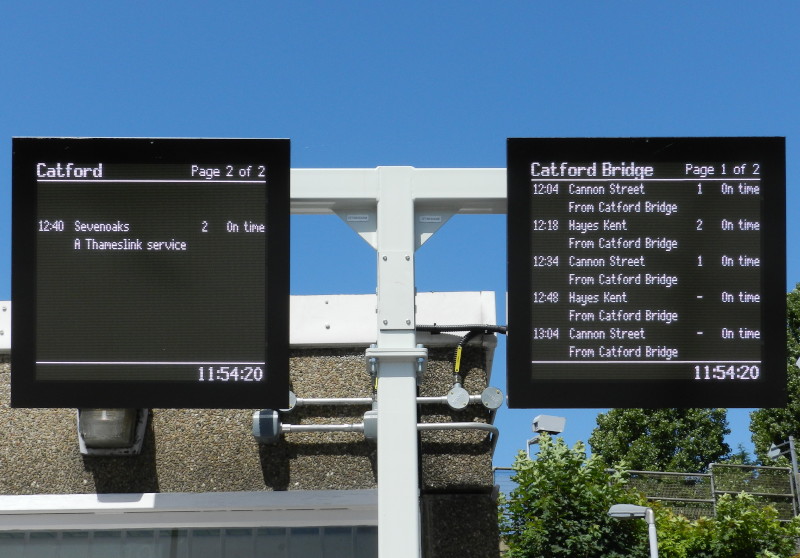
(426, 84)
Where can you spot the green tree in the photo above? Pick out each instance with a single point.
(742, 529)
(741, 457)
(680, 537)
(560, 507)
(681, 440)
(774, 426)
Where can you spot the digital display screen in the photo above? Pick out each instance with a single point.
(646, 272)
(150, 273)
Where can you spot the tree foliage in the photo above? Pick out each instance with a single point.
(774, 426)
(560, 507)
(559, 510)
(680, 440)
(742, 529)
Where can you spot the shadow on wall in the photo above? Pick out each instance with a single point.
(116, 475)
(320, 460)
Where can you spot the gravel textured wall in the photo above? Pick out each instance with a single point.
(190, 450)
(459, 526)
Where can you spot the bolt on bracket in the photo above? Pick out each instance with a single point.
(419, 356)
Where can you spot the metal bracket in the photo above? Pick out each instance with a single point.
(396, 306)
(374, 356)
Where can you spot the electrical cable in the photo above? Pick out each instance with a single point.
(473, 330)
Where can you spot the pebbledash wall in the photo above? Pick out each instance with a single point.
(203, 468)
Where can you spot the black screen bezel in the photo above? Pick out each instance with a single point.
(769, 391)
(27, 391)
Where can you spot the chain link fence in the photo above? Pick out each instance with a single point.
(694, 495)
(689, 494)
(768, 485)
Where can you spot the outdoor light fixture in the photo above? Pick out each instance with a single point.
(548, 423)
(111, 431)
(631, 511)
(775, 451)
(545, 423)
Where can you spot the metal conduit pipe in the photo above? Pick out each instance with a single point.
(473, 400)
(286, 428)
(443, 399)
(305, 401)
(422, 427)
(295, 401)
(491, 428)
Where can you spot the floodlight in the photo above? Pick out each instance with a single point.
(632, 511)
(107, 428)
(627, 511)
(549, 424)
(111, 431)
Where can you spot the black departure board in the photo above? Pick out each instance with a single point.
(150, 273)
(646, 272)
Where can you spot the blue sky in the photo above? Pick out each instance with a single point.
(426, 84)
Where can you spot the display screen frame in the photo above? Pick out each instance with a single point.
(526, 390)
(29, 390)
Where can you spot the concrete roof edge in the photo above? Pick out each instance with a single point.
(350, 320)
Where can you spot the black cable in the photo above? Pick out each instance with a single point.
(477, 328)
(472, 330)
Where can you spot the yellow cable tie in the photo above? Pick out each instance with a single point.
(458, 359)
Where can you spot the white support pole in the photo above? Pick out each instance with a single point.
(650, 518)
(400, 193)
(399, 532)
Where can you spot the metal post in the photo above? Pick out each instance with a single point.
(713, 490)
(631, 511)
(795, 478)
(400, 193)
(399, 532)
(531, 441)
(650, 518)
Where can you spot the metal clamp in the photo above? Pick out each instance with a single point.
(419, 355)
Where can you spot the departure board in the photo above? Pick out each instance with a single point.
(646, 272)
(150, 273)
